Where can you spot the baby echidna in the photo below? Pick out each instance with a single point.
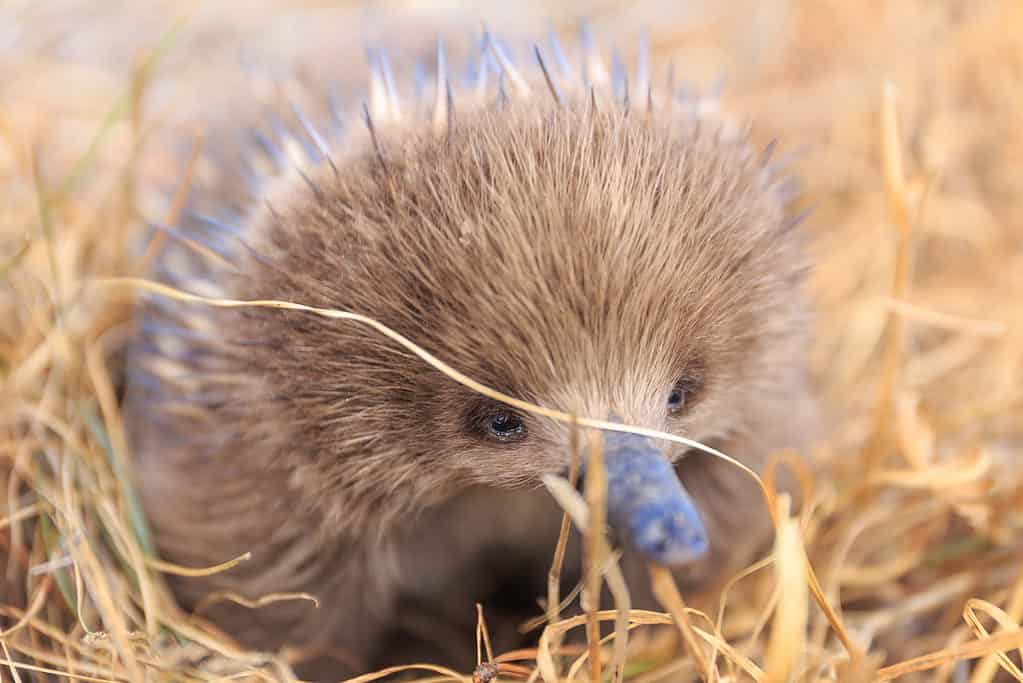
(579, 239)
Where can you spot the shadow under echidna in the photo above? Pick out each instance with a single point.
(572, 236)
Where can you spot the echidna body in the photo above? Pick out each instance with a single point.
(587, 244)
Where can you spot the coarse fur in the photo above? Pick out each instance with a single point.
(579, 256)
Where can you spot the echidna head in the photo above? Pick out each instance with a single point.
(587, 260)
(613, 263)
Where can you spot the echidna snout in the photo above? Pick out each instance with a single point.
(649, 505)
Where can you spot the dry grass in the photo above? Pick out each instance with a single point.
(907, 560)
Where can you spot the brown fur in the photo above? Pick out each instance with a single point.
(579, 259)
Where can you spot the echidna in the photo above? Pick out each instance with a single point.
(574, 237)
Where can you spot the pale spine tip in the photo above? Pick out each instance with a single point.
(594, 70)
(440, 97)
(378, 104)
(518, 82)
(642, 80)
(393, 99)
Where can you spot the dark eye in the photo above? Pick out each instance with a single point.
(506, 425)
(677, 397)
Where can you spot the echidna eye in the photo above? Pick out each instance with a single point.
(506, 425)
(677, 397)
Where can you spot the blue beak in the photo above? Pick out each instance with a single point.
(647, 503)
